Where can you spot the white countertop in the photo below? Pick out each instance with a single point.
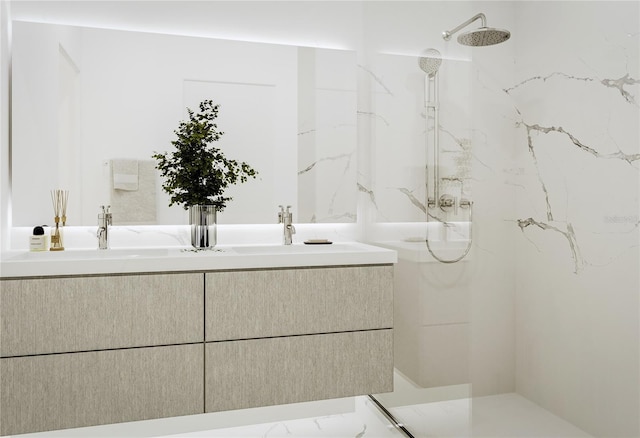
(131, 260)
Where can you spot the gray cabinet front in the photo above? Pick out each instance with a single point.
(279, 336)
(281, 302)
(61, 391)
(264, 372)
(40, 316)
(83, 351)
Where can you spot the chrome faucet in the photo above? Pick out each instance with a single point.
(104, 220)
(286, 218)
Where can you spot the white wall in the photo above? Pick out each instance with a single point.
(5, 175)
(578, 139)
(35, 95)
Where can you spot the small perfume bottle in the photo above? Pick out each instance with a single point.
(39, 241)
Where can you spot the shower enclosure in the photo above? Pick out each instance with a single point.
(480, 151)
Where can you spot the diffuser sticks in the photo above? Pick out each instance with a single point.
(59, 200)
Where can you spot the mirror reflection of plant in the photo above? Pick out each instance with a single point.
(198, 173)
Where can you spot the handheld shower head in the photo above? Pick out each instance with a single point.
(483, 36)
(430, 61)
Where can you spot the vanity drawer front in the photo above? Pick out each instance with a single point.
(83, 389)
(264, 372)
(281, 302)
(41, 316)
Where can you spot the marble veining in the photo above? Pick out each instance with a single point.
(415, 201)
(372, 196)
(542, 184)
(375, 115)
(569, 234)
(629, 158)
(376, 79)
(544, 79)
(347, 157)
(618, 84)
(566, 228)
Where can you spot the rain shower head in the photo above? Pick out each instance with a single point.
(430, 61)
(483, 36)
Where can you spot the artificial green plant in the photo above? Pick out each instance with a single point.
(197, 172)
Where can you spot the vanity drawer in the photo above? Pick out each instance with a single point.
(61, 391)
(281, 302)
(264, 372)
(40, 316)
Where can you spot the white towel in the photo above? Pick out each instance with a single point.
(125, 174)
(136, 207)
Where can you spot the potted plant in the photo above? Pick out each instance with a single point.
(197, 173)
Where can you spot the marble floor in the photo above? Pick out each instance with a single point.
(504, 416)
(339, 418)
(432, 413)
(364, 422)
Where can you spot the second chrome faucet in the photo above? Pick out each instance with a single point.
(286, 219)
(104, 221)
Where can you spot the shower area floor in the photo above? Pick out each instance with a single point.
(504, 416)
(445, 412)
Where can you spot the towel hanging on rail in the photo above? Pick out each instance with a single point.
(125, 174)
(135, 206)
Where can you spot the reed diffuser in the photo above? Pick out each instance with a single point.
(59, 200)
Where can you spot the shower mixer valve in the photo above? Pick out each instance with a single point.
(448, 202)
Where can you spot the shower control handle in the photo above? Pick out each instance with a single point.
(448, 202)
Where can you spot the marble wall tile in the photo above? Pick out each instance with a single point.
(575, 108)
(327, 136)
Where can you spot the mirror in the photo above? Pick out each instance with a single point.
(85, 98)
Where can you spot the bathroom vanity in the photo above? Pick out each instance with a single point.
(134, 335)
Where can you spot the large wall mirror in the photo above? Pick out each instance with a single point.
(85, 100)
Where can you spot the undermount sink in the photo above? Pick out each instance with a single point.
(90, 254)
(291, 249)
(143, 253)
(160, 259)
